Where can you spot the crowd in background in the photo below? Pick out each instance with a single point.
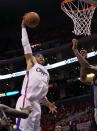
(79, 123)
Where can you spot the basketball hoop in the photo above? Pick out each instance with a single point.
(81, 13)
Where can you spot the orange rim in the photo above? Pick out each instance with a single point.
(67, 1)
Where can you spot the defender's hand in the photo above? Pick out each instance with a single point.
(74, 41)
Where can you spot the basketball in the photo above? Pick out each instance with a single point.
(31, 19)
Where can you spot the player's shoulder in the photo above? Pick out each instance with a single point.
(95, 80)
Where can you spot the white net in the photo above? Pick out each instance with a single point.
(81, 13)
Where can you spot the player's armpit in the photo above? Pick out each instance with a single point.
(30, 61)
(34, 61)
(96, 81)
(86, 80)
(28, 56)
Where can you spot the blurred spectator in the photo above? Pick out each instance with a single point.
(82, 122)
(73, 126)
(58, 128)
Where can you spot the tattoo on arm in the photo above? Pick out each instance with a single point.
(46, 102)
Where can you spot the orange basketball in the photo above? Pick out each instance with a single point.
(31, 19)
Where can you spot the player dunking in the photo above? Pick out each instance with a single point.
(34, 89)
(85, 66)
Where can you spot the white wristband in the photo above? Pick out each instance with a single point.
(25, 42)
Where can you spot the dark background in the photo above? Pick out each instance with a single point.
(54, 23)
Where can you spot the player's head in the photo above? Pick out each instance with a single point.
(40, 58)
(83, 53)
(58, 128)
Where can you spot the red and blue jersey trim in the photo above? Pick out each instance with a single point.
(19, 119)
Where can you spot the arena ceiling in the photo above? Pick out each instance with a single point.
(12, 11)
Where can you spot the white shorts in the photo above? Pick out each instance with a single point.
(32, 123)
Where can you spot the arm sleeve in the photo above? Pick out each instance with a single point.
(25, 42)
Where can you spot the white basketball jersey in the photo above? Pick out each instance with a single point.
(37, 82)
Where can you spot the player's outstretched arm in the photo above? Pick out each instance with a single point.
(92, 69)
(50, 105)
(24, 113)
(30, 59)
(83, 77)
(83, 62)
(83, 72)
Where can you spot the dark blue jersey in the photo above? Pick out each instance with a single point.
(93, 98)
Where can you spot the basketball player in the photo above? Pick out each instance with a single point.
(35, 87)
(85, 66)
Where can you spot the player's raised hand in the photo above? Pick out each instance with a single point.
(74, 41)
